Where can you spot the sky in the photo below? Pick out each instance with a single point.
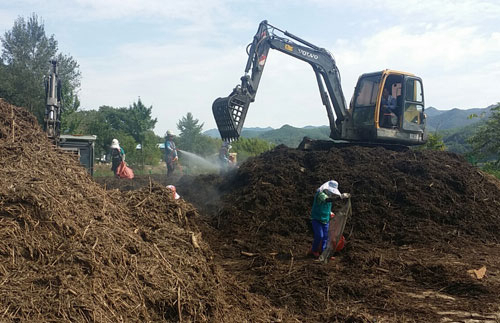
(179, 56)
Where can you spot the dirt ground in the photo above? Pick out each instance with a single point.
(422, 221)
(422, 242)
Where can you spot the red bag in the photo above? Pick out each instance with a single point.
(124, 172)
(341, 244)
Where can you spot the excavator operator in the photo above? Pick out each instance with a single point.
(388, 109)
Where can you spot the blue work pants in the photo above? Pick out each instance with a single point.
(320, 235)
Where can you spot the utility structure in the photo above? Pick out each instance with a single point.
(53, 107)
(367, 120)
(82, 146)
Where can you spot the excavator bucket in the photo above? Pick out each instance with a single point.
(229, 114)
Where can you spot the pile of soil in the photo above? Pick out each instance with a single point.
(398, 197)
(421, 221)
(72, 251)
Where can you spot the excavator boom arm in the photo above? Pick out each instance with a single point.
(53, 107)
(230, 112)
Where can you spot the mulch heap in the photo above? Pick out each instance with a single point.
(421, 220)
(398, 197)
(72, 251)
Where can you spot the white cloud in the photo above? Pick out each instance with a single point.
(181, 78)
(7, 18)
(451, 10)
(191, 10)
(461, 11)
(288, 94)
(448, 54)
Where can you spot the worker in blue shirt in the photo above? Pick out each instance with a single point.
(170, 153)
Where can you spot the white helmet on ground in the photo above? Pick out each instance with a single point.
(174, 190)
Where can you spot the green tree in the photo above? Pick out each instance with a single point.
(131, 126)
(150, 153)
(26, 52)
(97, 123)
(434, 142)
(3, 80)
(486, 141)
(70, 75)
(207, 145)
(190, 137)
(138, 120)
(246, 147)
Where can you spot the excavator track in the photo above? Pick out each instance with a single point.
(322, 145)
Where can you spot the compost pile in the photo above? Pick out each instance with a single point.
(421, 221)
(72, 251)
(399, 197)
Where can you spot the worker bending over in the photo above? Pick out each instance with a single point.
(321, 214)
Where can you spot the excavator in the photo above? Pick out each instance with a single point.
(369, 120)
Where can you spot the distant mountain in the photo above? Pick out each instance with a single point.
(250, 132)
(214, 133)
(455, 139)
(432, 112)
(287, 135)
(254, 132)
(291, 136)
(454, 118)
(258, 129)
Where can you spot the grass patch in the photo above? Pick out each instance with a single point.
(104, 170)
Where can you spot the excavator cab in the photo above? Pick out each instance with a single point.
(387, 106)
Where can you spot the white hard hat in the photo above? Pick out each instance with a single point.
(169, 133)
